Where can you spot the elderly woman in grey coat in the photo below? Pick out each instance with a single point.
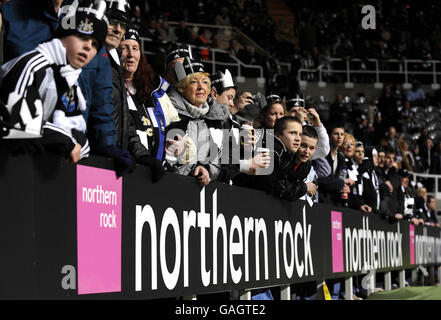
(201, 120)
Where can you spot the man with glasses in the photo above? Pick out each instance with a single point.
(118, 14)
(116, 29)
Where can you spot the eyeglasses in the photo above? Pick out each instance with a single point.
(348, 144)
(115, 23)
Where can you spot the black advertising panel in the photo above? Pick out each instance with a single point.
(75, 231)
(224, 238)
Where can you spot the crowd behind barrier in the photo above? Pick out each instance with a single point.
(103, 98)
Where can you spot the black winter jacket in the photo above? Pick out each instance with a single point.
(283, 183)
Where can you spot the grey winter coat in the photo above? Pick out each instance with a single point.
(204, 128)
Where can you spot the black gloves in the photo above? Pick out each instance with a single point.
(155, 166)
(122, 160)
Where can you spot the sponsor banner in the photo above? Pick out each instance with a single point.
(136, 239)
(337, 241)
(99, 226)
(213, 241)
(374, 244)
(217, 238)
(427, 246)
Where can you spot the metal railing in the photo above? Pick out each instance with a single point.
(232, 32)
(382, 67)
(227, 30)
(242, 37)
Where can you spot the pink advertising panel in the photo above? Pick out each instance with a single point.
(99, 218)
(412, 243)
(337, 241)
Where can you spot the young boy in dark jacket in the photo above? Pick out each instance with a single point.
(302, 161)
(287, 179)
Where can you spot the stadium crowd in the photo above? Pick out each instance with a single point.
(404, 27)
(404, 31)
(100, 95)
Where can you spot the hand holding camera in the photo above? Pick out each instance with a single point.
(243, 100)
(300, 112)
(313, 117)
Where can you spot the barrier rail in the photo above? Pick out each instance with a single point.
(75, 231)
(237, 33)
(228, 30)
(377, 71)
(234, 62)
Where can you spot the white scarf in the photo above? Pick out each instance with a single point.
(197, 113)
(55, 53)
(114, 54)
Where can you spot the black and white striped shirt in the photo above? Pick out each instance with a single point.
(40, 102)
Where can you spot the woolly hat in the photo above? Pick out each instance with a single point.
(88, 19)
(221, 81)
(403, 173)
(298, 101)
(187, 68)
(178, 51)
(273, 98)
(132, 34)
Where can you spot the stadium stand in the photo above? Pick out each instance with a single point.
(376, 99)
